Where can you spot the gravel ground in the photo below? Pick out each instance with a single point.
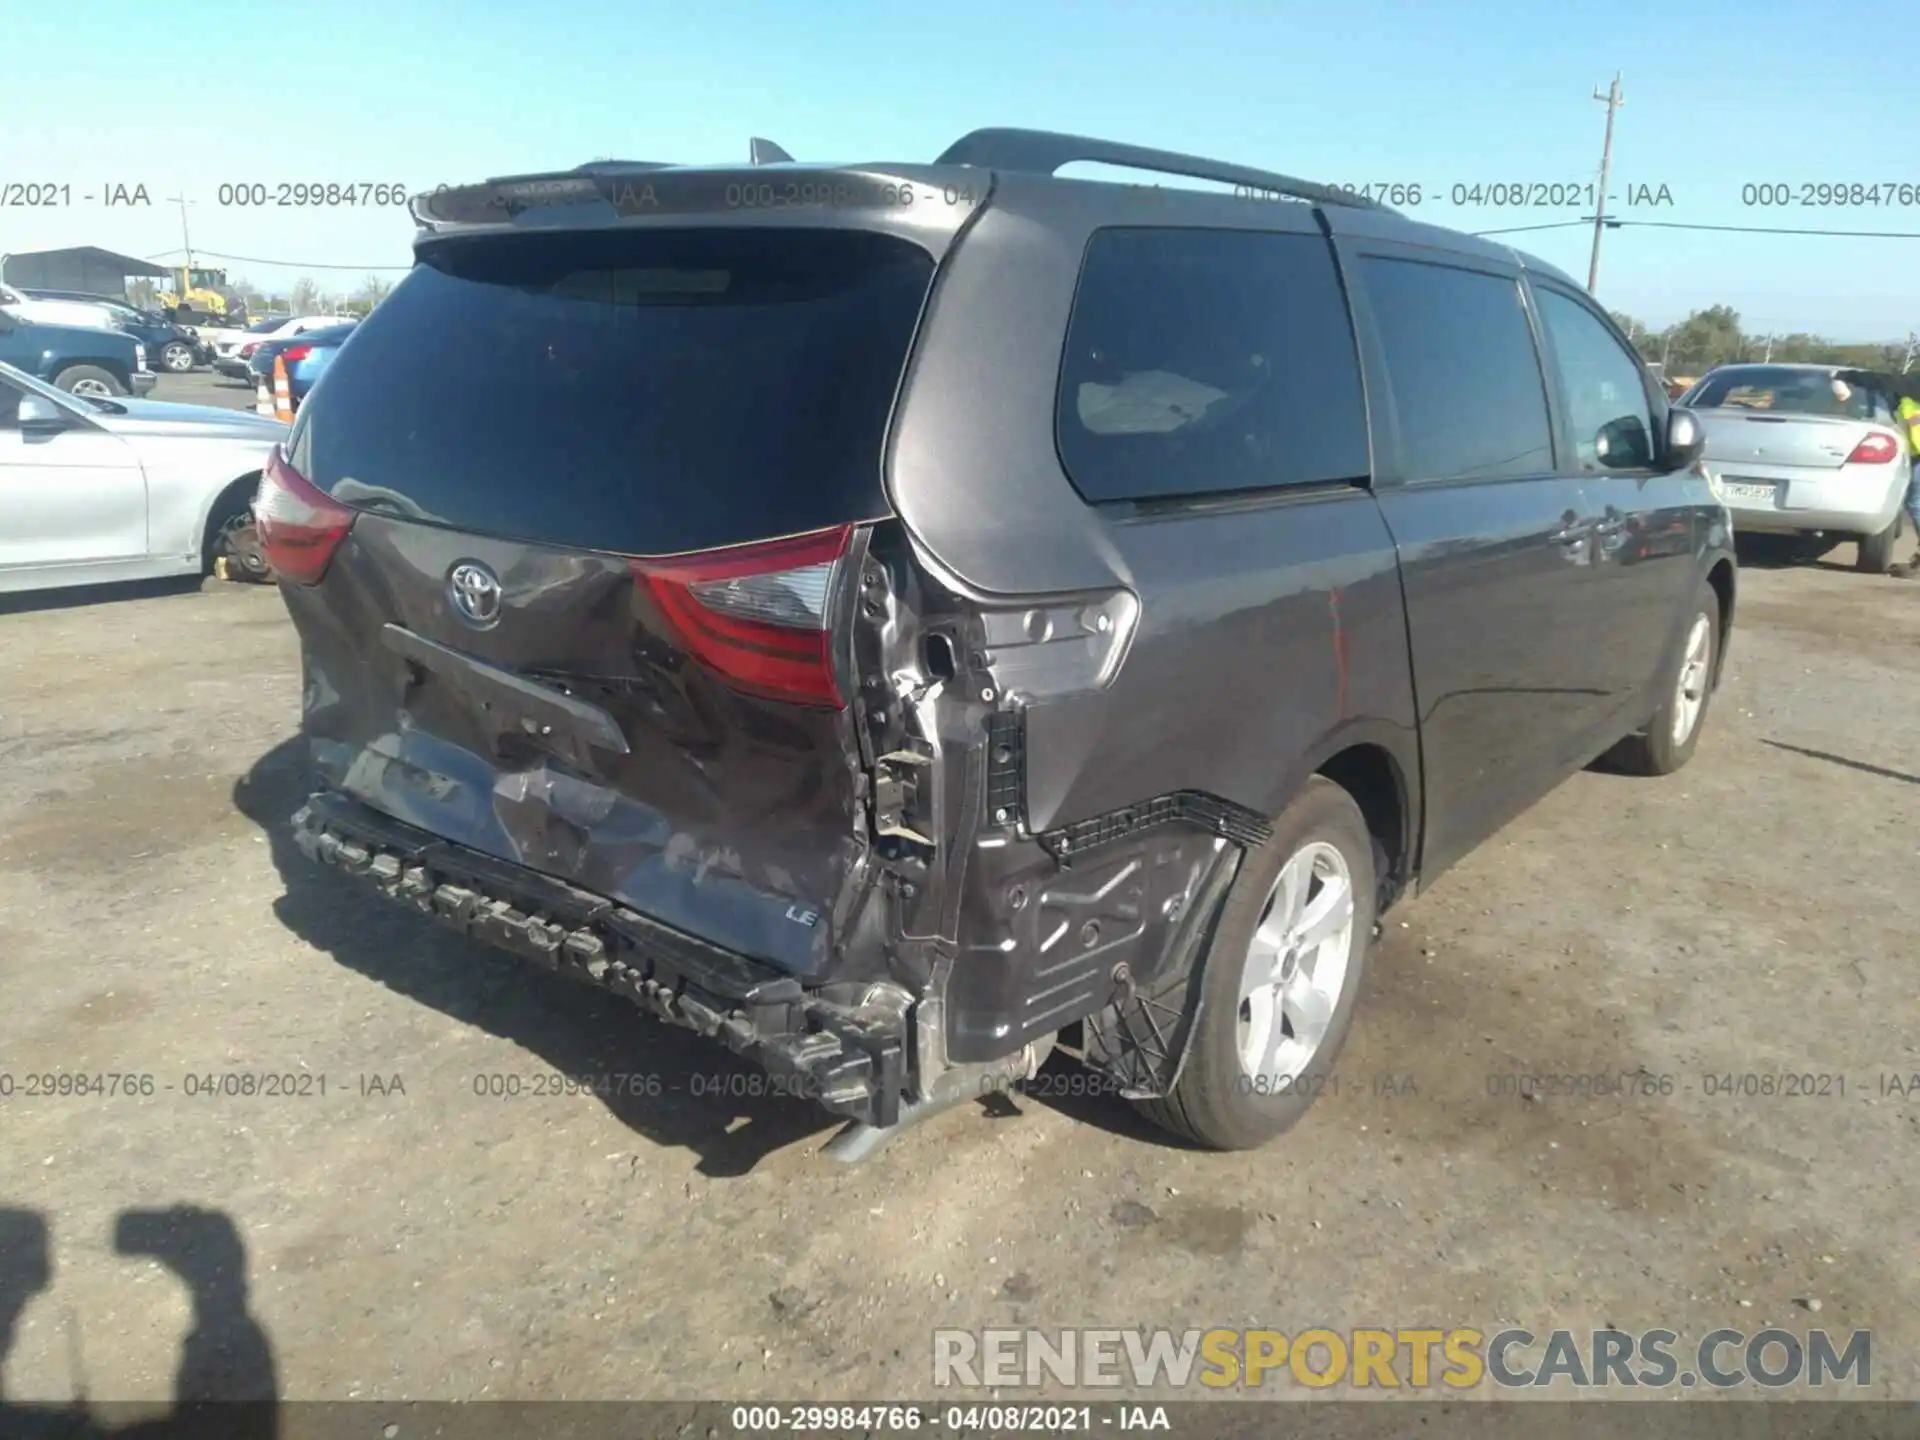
(400, 1235)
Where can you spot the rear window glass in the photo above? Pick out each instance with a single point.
(642, 392)
(1467, 387)
(1787, 392)
(1208, 361)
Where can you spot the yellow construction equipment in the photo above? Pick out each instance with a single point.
(198, 296)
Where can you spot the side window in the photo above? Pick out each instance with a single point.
(1605, 401)
(1466, 379)
(1206, 361)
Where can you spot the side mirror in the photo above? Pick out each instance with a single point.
(1686, 439)
(40, 415)
(1623, 444)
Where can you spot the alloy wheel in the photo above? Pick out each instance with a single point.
(1297, 966)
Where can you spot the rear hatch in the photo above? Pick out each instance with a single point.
(571, 535)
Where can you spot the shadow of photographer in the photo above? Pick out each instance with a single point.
(225, 1384)
(578, 1031)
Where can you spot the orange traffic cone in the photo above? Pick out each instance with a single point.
(282, 391)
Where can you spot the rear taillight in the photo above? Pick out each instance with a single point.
(1876, 449)
(246, 351)
(758, 615)
(300, 526)
(293, 354)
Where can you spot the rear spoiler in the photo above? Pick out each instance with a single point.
(921, 200)
(626, 188)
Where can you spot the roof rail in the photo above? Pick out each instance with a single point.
(1045, 151)
(764, 152)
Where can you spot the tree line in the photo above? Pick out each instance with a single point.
(1714, 336)
(305, 298)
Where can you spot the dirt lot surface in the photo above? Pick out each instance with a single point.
(399, 1235)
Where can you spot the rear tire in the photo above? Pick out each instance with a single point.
(1876, 551)
(1674, 731)
(1225, 1099)
(176, 356)
(89, 380)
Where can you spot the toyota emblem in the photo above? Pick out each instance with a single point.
(475, 593)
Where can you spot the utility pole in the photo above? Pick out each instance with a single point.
(1613, 103)
(1913, 344)
(1769, 355)
(186, 240)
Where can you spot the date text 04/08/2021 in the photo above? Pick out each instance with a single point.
(720, 1084)
(1079, 1082)
(1480, 194)
(194, 1084)
(1715, 1085)
(874, 1419)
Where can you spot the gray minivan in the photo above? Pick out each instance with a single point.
(897, 619)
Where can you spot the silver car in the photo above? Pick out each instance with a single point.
(95, 489)
(1795, 450)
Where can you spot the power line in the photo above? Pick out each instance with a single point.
(288, 264)
(1520, 229)
(1773, 230)
(1732, 229)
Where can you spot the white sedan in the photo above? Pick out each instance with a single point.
(98, 490)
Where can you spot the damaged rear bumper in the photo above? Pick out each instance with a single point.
(853, 1062)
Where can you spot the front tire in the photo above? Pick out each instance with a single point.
(89, 380)
(1281, 978)
(1875, 556)
(231, 536)
(1674, 731)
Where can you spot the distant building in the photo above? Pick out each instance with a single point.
(84, 267)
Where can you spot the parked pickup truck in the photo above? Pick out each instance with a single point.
(962, 614)
(80, 359)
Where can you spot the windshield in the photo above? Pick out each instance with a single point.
(1778, 390)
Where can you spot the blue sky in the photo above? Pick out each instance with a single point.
(420, 92)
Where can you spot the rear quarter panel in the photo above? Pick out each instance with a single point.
(1271, 629)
